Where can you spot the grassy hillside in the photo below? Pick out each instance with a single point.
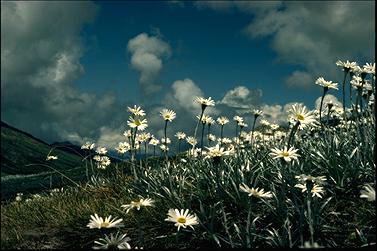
(24, 166)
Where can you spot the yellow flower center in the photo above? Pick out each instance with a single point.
(285, 154)
(137, 122)
(105, 224)
(300, 117)
(181, 220)
(256, 194)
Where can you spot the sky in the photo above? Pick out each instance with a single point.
(70, 69)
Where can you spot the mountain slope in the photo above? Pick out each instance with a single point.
(24, 167)
(22, 153)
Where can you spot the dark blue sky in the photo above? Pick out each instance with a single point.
(81, 63)
(208, 47)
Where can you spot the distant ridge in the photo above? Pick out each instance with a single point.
(3, 124)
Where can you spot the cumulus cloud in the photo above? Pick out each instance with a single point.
(328, 98)
(110, 137)
(184, 92)
(316, 34)
(180, 98)
(310, 34)
(276, 113)
(41, 49)
(300, 79)
(147, 53)
(242, 97)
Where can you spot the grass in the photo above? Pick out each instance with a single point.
(228, 217)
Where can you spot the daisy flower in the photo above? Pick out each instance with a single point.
(204, 118)
(326, 84)
(300, 114)
(98, 222)
(164, 148)
(224, 140)
(304, 178)
(137, 123)
(103, 162)
(168, 115)
(123, 147)
(145, 136)
(264, 122)
(222, 120)
(205, 102)
(255, 192)
(113, 242)
(211, 137)
(154, 142)
(101, 150)
(181, 218)
(168, 141)
(191, 140)
(138, 204)
(274, 126)
(209, 120)
(370, 68)
(316, 190)
(180, 135)
(194, 152)
(357, 81)
(127, 133)
(137, 111)
(51, 157)
(257, 113)
(346, 65)
(19, 196)
(369, 193)
(287, 155)
(242, 124)
(215, 151)
(238, 119)
(88, 145)
(357, 70)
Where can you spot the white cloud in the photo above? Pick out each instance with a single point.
(241, 97)
(300, 79)
(277, 113)
(147, 54)
(316, 34)
(110, 137)
(311, 34)
(327, 99)
(185, 91)
(40, 61)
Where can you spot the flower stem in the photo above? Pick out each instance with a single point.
(208, 132)
(165, 143)
(294, 128)
(325, 89)
(201, 142)
(351, 74)
(197, 124)
(221, 135)
(344, 97)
